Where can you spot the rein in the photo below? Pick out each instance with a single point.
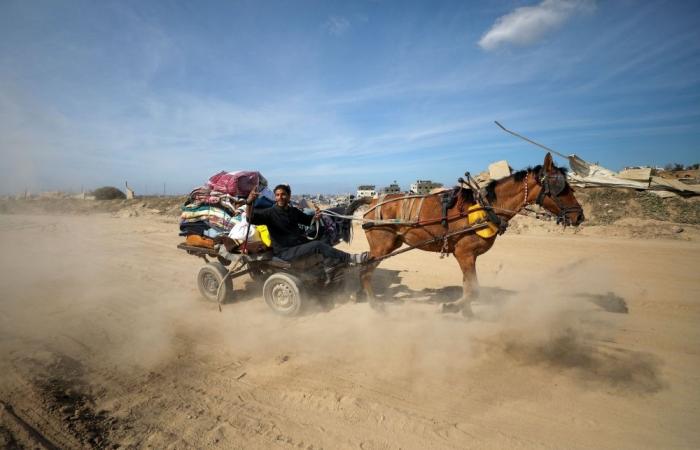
(525, 205)
(405, 197)
(374, 222)
(419, 223)
(552, 186)
(432, 240)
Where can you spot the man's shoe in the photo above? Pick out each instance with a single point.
(359, 258)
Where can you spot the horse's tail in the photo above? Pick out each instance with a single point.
(352, 207)
(344, 225)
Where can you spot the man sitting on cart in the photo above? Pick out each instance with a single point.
(288, 239)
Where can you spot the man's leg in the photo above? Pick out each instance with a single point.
(332, 258)
(315, 247)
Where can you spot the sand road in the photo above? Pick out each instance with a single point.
(104, 343)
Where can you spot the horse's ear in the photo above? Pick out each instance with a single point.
(548, 163)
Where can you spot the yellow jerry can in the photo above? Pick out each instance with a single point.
(264, 235)
(476, 215)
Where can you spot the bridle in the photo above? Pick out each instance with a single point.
(553, 184)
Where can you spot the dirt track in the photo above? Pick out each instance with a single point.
(103, 342)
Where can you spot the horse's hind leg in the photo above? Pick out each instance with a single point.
(381, 242)
(470, 284)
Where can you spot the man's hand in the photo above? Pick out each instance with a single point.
(252, 196)
(317, 215)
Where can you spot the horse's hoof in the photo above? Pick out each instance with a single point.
(467, 313)
(358, 297)
(378, 307)
(449, 308)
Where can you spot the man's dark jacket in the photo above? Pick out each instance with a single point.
(283, 225)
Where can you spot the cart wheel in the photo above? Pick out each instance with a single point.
(282, 294)
(208, 280)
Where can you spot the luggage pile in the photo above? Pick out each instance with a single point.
(217, 209)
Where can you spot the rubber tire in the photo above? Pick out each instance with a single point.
(208, 280)
(286, 286)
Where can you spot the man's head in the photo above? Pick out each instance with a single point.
(282, 195)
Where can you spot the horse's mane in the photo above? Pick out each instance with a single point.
(467, 194)
(516, 176)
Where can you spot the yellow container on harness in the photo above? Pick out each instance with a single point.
(264, 235)
(476, 215)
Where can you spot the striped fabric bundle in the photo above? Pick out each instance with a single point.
(210, 210)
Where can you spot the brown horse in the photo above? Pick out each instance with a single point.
(413, 220)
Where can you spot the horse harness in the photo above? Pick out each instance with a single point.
(552, 185)
(447, 200)
(482, 199)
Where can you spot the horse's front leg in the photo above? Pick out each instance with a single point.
(366, 279)
(470, 284)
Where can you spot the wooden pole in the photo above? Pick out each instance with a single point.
(531, 141)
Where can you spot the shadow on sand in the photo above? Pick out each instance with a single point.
(592, 361)
(388, 286)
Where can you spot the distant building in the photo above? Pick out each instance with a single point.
(366, 190)
(424, 186)
(393, 188)
(340, 200)
(637, 167)
(52, 194)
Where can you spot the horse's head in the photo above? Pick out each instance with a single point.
(556, 196)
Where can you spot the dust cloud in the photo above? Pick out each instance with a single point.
(75, 290)
(69, 288)
(101, 327)
(547, 322)
(557, 322)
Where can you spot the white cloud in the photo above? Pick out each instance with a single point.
(527, 24)
(336, 25)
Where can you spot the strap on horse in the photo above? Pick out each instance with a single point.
(482, 198)
(446, 199)
(404, 211)
(552, 186)
(468, 229)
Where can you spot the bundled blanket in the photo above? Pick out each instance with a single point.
(212, 210)
(237, 184)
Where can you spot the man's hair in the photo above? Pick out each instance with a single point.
(284, 187)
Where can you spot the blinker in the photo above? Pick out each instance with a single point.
(557, 183)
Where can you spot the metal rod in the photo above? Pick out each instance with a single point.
(531, 141)
(230, 274)
(249, 216)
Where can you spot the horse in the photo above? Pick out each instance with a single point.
(441, 223)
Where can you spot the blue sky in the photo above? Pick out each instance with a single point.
(327, 95)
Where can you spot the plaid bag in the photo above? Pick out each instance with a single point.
(237, 184)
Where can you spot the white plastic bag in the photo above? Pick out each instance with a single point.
(239, 230)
